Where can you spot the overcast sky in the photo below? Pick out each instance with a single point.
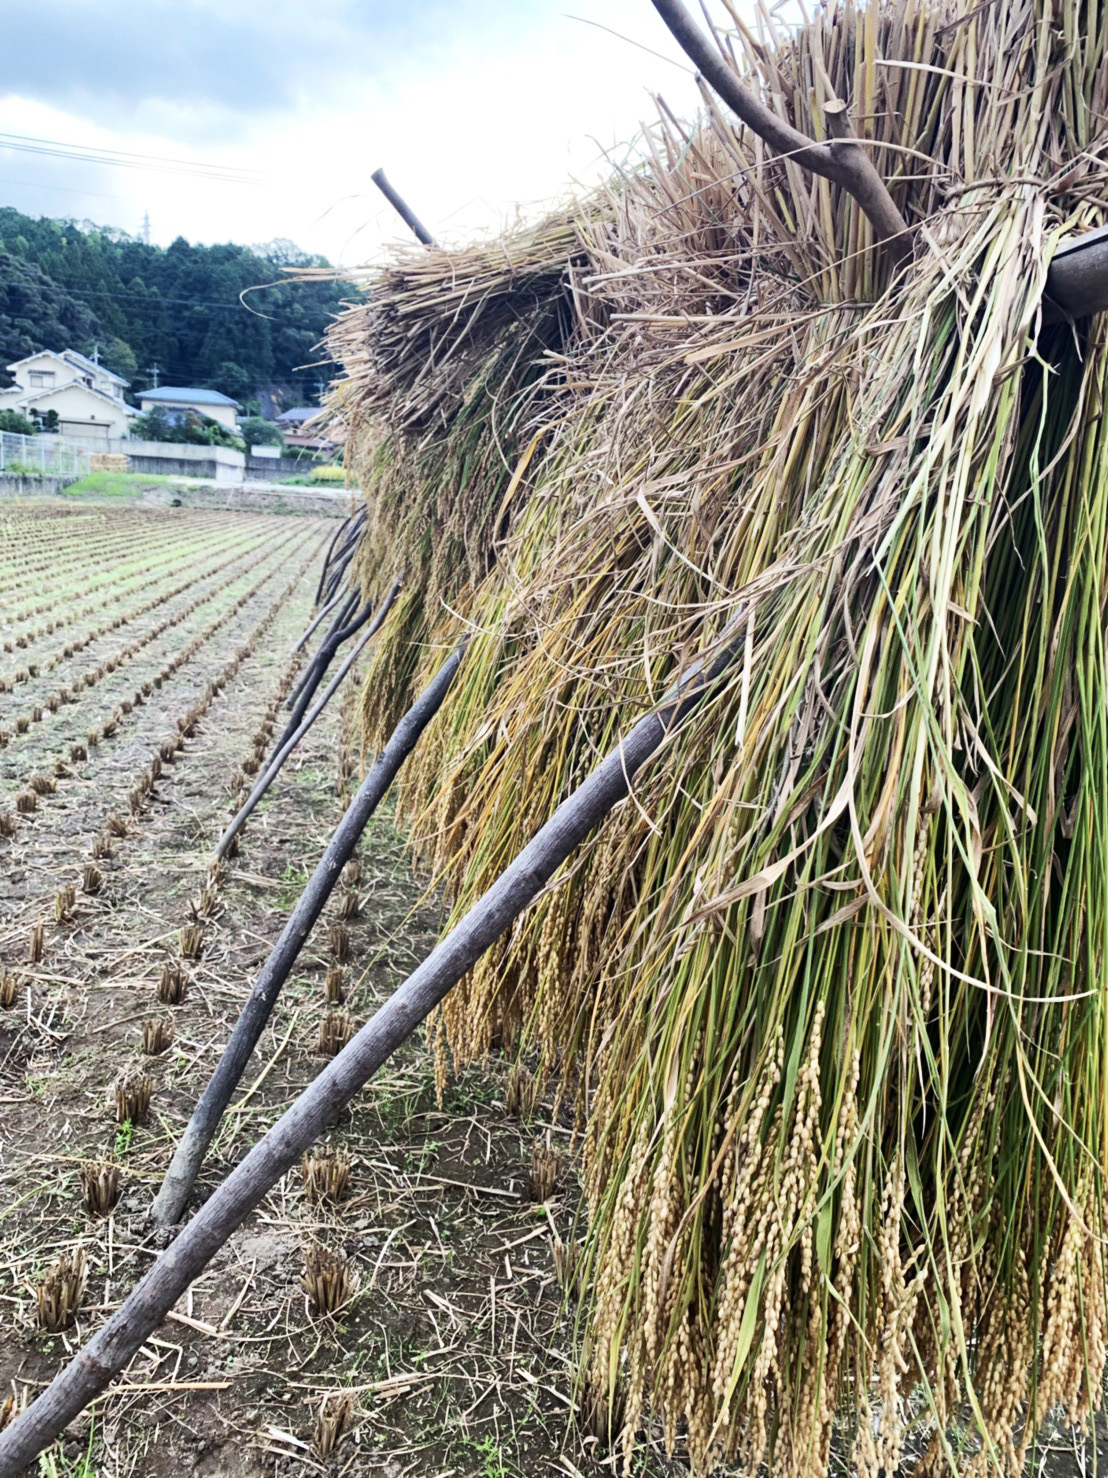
(470, 106)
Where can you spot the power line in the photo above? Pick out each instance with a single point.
(126, 159)
(65, 189)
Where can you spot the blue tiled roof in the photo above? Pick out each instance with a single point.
(179, 393)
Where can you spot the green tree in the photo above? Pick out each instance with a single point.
(20, 425)
(256, 431)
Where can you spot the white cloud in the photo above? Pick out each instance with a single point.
(489, 105)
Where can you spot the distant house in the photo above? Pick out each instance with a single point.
(177, 401)
(87, 397)
(298, 432)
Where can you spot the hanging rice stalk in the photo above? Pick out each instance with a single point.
(830, 983)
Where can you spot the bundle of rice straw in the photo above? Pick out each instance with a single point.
(827, 993)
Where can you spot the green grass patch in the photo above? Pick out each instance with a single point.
(121, 485)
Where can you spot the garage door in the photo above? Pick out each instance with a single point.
(86, 430)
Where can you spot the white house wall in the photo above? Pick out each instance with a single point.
(224, 414)
(77, 408)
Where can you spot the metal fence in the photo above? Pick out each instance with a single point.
(44, 456)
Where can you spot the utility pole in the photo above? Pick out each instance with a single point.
(153, 371)
(146, 227)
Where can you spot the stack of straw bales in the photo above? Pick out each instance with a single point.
(828, 992)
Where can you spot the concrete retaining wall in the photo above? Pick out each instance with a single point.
(34, 487)
(179, 459)
(268, 469)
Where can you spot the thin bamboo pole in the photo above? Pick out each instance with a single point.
(326, 653)
(189, 1154)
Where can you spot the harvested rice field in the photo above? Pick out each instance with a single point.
(146, 657)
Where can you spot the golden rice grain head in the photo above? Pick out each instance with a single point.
(58, 1295)
(101, 1183)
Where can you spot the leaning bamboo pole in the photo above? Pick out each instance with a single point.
(192, 1146)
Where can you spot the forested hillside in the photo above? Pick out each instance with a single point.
(85, 287)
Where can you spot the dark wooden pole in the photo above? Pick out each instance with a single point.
(190, 1151)
(522, 881)
(285, 748)
(843, 160)
(402, 208)
(324, 657)
(1077, 278)
(324, 610)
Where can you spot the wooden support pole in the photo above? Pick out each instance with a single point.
(843, 160)
(187, 1158)
(1077, 278)
(322, 659)
(284, 749)
(323, 612)
(518, 886)
(345, 611)
(402, 208)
